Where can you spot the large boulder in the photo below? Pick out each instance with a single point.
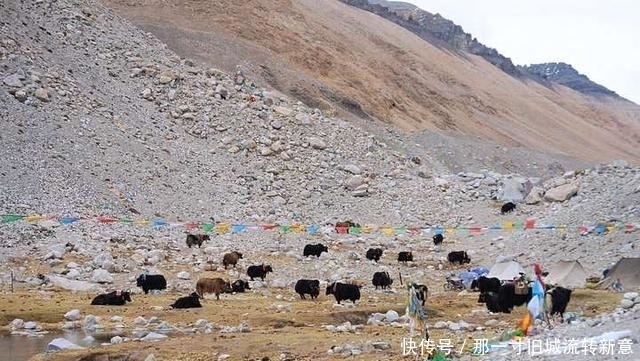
(102, 258)
(101, 276)
(60, 344)
(73, 285)
(512, 190)
(72, 315)
(561, 193)
(535, 196)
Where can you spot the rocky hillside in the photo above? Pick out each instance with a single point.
(139, 131)
(565, 74)
(365, 69)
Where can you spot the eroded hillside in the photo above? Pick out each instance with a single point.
(341, 59)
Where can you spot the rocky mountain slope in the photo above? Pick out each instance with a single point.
(103, 119)
(351, 63)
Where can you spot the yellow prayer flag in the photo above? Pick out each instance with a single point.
(223, 228)
(387, 230)
(508, 225)
(611, 228)
(142, 222)
(450, 230)
(297, 228)
(35, 218)
(367, 229)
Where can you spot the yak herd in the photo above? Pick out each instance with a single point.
(496, 295)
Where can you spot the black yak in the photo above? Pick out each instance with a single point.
(458, 256)
(115, 298)
(310, 287)
(382, 279)
(344, 291)
(196, 239)
(314, 250)
(507, 207)
(374, 254)
(259, 271)
(151, 282)
(191, 301)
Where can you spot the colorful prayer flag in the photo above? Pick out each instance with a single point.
(7, 218)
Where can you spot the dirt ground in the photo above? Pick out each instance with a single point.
(298, 332)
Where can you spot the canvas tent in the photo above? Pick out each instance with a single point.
(627, 270)
(568, 274)
(505, 270)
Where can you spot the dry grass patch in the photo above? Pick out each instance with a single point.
(297, 331)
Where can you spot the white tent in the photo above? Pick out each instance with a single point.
(506, 270)
(627, 270)
(568, 274)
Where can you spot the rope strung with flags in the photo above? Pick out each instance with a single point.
(598, 228)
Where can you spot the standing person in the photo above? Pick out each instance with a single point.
(617, 286)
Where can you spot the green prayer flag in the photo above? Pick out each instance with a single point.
(355, 230)
(285, 229)
(6, 218)
(207, 227)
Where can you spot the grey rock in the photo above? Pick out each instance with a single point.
(183, 275)
(317, 143)
(21, 95)
(353, 169)
(626, 303)
(13, 80)
(561, 193)
(535, 196)
(391, 316)
(354, 182)
(153, 336)
(381, 345)
(101, 276)
(30, 325)
(72, 315)
(60, 344)
(41, 94)
(16, 324)
(116, 340)
(512, 190)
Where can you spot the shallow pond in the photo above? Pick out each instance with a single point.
(21, 347)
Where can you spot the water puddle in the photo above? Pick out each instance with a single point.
(24, 345)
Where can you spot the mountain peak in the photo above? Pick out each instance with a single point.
(567, 75)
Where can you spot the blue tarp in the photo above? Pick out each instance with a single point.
(468, 276)
(480, 270)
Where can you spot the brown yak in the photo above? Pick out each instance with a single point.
(231, 258)
(212, 285)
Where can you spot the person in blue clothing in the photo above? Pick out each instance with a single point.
(617, 285)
